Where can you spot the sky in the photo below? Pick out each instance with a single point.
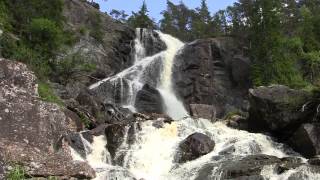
(156, 6)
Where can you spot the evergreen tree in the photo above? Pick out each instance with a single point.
(119, 15)
(167, 23)
(220, 24)
(141, 19)
(201, 21)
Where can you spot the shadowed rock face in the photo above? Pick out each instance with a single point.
(151, 41)
(212, 72)
(306, 139)
(278, 109)
(149, 100)
(31, 130)
(249, 167)
(194, 146)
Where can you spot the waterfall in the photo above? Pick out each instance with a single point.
(151, 155)
(174, 108)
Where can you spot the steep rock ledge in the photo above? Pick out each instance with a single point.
(32, 130)
(289, 115)
(213, 72)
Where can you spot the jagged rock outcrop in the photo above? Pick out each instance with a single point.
(213, 72)
(193, 147)
(289, 115)
(203, 111)
(110, 55)
(32, 130)
(149, 100)
(151, 41)
(249, 167)
(306, 140)
(238, 122)
(278, 109)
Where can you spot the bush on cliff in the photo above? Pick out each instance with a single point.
(46, 93)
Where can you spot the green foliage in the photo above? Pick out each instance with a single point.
(52, 178)
(230, 114)
(119, 15)
(83, 30)
(141, 18)
(46, 94)
(86, 122)
(44, 36)
(17, 173)
(96, 28)
(311, 66)
(4, 18)
(8, 45)
(72, 66)
(22, 12)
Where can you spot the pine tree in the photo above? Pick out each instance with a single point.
(141, 19)
(201, 21)
(167, 23)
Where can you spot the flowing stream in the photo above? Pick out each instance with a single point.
(151, 155)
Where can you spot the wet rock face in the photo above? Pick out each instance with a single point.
(110, 55)
(149, 100)
(31, 130)
(306, 140)
(151, 41)
(247, 168)
(212, 72)
(202, 111)
(278, 109)
(238, 122)
(193, 147)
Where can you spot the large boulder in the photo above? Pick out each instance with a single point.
(32, 130)
(278, 109)
(247, 168)
(306, 140)
(149, 100)
(213, 72)
(203, 111)
(120, 136)
(193, 147)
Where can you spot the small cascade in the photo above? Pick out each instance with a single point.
(150, 154)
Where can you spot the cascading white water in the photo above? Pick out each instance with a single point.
(174, 108)
(151, 156)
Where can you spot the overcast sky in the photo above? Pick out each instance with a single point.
(156, 6)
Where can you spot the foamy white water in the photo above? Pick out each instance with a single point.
(151, 156)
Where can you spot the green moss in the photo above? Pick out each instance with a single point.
(85, 120)
(46, 93)
(17, 173)
(233, 113)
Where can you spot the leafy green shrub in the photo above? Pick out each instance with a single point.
(83, 30)
(280, 65)
(17, 173)
(311, 66)
(71, 66)
(84, 119)
(46, 93)
(96, 30)
(45, 35)
(4, 19)
(8, 45)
